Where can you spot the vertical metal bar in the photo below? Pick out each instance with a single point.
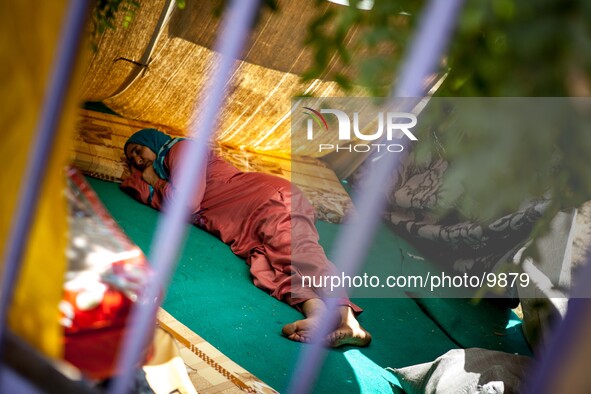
(565, 340)
(352, 243)
(172, 226)
(42, 145)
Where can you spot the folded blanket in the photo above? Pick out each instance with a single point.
(472, 370)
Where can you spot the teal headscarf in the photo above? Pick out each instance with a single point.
(159, 142)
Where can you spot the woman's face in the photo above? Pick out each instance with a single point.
(140, 156)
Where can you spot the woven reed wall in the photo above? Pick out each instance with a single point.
(167, 88)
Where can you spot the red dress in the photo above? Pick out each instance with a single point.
(264, 219)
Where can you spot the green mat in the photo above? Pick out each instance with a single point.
(211, 293)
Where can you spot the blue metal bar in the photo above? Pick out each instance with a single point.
(425, 54)
(172, 226)
(566, 338)
(42, 146)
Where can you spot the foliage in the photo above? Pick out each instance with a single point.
(500, 48)
(530, 49)
(105, 12)
(516, 48)
(367, 42)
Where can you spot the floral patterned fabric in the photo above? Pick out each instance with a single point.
(452, 241)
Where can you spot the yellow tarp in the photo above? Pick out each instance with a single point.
(29, 33)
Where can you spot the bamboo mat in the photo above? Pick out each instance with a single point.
(209, 369)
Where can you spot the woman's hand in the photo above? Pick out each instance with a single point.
(150, 176)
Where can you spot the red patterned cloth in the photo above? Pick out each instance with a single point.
(106, 273)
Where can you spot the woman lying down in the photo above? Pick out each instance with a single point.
(256, 214)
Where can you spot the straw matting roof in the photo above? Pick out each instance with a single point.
(162, 83)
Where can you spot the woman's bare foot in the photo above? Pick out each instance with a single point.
(347, 331)
(301, 330)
